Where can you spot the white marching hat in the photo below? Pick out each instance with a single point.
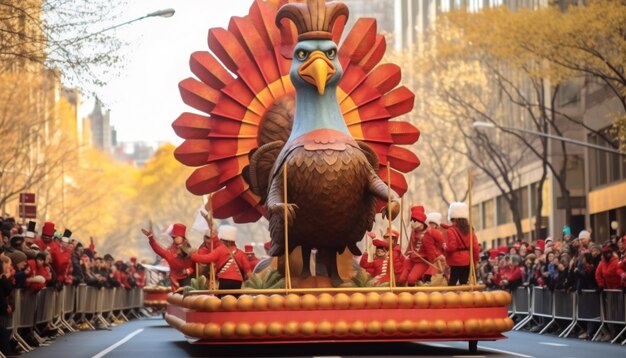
(433, 217)
(227, 233)
(458, 210)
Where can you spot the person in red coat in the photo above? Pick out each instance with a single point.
(378, 268)
(232, 265)
(458, 244)
(252, 259)
(399, 260)
(607, 276)
(62, 260)
(510, 276)
(39, 272)
(210, 242)
(421, 251)
(433, 219)
(178, 257)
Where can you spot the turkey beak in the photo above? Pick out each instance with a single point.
(317, 70)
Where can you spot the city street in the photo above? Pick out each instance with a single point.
(154, 338)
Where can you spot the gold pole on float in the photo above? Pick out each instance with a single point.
(286, 212)
(392, 276)
(472, 273)
(401, 222)
(209, 219)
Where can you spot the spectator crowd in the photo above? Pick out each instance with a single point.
(53, 259)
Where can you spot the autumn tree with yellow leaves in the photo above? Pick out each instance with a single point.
(509, 68)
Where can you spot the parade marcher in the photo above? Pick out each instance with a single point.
(458, 244)
(378, 265)
(252, 259)
(434, 223)
(178, 256)
(232, 265)
(421, 251)
(210, 242)
(399, 259)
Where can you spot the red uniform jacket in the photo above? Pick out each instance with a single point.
(180, 268)
(399, 260)
(253, 262)
(54, 245)
(378, 268)
(422, 245)
(205, 249)
(225, 268)
(607, 276)
(457, 249)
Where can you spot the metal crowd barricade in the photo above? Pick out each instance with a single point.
(613, 310)
(120, 303)
(108, 301)
(15, 321)
(589, 307)
(521, 303)
(44, 306)
(563, 308)
(541, 306)
(25, 316)
(68, 298)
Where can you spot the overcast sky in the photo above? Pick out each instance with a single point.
(144, 100)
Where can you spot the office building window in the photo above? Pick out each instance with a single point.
(489, 214)
(476, 217)
(605, 167)
(524, 202)
(504, 211)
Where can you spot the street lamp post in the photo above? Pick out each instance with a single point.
(480, 124)
(159, 13)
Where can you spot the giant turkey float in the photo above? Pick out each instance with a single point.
(298, 130)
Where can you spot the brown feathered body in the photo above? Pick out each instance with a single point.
(330, 188)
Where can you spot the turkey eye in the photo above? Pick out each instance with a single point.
(301, 54)
(331, 53)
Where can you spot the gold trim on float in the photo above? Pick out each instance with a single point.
(340, 290)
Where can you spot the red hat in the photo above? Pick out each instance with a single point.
(503, 250)
(607, 248)
(133, 259)
(48, 228)
(493, 253)
(394, 233)
(380, 243)
(267, 245)
(178, 230)
(417, 213)
(517, 246)
(540, 245)
(248, 249)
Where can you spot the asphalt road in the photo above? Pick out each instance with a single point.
(153, 338)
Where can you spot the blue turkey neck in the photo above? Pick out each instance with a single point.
(317, 112)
